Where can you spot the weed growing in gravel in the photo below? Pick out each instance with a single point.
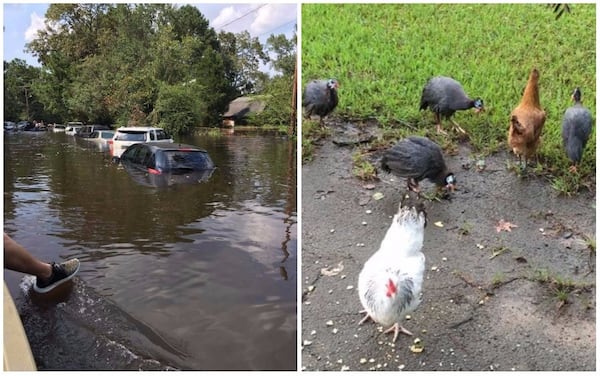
(362, 167)
(311, 132)
(498, 278)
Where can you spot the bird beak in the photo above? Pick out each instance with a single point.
(479, 110)
(450, 187)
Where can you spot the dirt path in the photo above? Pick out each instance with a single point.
(479, 311)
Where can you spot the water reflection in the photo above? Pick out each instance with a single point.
(210, 268)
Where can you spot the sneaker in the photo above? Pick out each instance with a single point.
(60, 273)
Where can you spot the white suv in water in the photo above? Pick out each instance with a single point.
(126, 136)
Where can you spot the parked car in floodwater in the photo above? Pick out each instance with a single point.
(166, 163)
(126, 136)
(59, 128)
(73, 127)
(87, 130)
(101, 138)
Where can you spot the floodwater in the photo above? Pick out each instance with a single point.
(190, 277)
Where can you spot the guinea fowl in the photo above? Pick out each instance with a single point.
(320, 98)
(527, 121)
(444, 96)
(389, 284)
(417, 158)
(576, 129)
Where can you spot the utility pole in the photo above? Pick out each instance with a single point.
(293, 120)
(25, 87)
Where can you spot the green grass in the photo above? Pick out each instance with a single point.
(362, 167)
(383, 55)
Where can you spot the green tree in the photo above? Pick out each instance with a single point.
(279, 89)
(177, 108)
(285, 53)
(243, 56)
(115, 63)
(20, 101)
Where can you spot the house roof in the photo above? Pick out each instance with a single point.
(241, 106)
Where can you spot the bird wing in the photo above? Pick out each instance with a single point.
(577, 121)
(390, 292)
(414, 157)
(576, 129)
(318, 99)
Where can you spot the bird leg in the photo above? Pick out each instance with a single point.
(573, 169)
(321, 123)
(458, 127)
(364, 319)
(397, 329)
(438, 124)
(413, 185)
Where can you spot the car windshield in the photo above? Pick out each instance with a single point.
(130, 136)
(162, 135)
(186, 160)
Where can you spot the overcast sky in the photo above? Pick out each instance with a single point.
(21, 22)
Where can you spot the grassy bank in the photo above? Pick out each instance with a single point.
(383, 55)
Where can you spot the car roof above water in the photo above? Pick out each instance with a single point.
(163, 145)
(138, 129)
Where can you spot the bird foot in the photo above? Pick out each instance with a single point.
(573, 169)
(397, 329)
(439, 129)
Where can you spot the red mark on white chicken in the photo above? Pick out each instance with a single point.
(391, 288)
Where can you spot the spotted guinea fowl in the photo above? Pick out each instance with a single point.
(320, 98)
(444, 96)
(417, 158)
(389, 284)
(576, 129)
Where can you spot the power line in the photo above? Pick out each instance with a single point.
(275, 28)
(240, 17)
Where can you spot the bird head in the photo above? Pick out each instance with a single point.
(450, 181)
(478, 104)
(333, 83)
(411, 204)
(576, 96)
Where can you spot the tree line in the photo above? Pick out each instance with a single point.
(145, 64)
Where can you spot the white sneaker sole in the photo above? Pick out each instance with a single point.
(42, 290)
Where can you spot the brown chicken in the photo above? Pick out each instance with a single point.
(527, 121)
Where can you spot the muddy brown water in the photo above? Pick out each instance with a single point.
(191, 277)
(480, 311)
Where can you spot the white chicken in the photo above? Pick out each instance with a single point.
(389, 285)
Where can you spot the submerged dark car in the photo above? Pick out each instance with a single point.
(166, 163)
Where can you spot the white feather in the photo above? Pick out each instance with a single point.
(399, 259)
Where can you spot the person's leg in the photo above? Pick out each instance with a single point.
(17, 258)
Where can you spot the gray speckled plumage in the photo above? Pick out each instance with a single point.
(576, 128)
(417, 158)
(320, 98)
(444, 96)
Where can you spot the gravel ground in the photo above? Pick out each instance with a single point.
(491, 300)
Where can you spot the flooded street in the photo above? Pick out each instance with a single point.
(191, 277)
